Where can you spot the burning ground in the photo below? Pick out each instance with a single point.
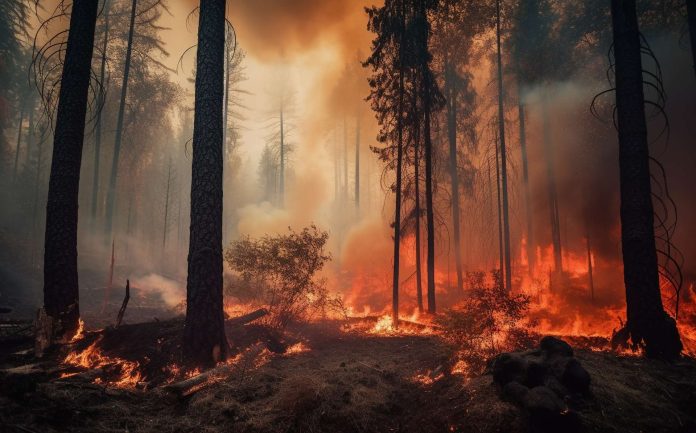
(340, 375)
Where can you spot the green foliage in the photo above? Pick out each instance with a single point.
(281, 272)
(487, 323)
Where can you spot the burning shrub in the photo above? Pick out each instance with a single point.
(280, 272)
(487, 322)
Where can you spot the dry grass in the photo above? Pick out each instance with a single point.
(359, 383)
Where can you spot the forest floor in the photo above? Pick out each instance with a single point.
(332, 379)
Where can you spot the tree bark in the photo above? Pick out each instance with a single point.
(503, 159)
(204, 333)
(111, 194)
(61, 293)
(647, 323)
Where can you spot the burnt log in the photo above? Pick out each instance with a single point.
(243, 320)
(122, 310)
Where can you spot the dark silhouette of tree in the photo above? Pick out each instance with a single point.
(61, 294)
(111, 191)
(13, 25)
(507, 271)
(432, 101)
(204, 333)
(691, 12)
(387, 98)
(99, 123)
(647, 323)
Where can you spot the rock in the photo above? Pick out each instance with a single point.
(555, 346)
(548, 413)
(541, 400)
(508, 367)
(536, 372)
(556, 386)
(515, 392)
(575, 377)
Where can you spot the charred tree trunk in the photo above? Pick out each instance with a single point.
(111, 194)
(19, 143)
(165, 226)
(501, 261)
(61, 293)
(417, 176)
(691, 12)
(282, 157)
(527, 191)
(552, 192)
(204, 332)
(399, 157)
(100, 107)
(345, 159)
(647, 322)
(503, 159)
(590, 274)
(454, 175)
(430, 211)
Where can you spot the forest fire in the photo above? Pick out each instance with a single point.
(340, 216)
(126, 373)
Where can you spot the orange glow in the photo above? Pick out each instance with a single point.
(92, 358)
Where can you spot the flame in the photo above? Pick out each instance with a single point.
(79, 335)
(300, 347)
(92, 358)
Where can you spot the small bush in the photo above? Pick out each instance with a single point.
(487, 323)
(280, 272)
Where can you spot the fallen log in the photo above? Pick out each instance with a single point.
(194, 384)
(243, 320)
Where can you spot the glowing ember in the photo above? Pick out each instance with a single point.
(300, 347)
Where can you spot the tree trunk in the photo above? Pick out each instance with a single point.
(503, 159)
(30, 133)
(430, 213)
(553, 194)
(501, 261)
(590, 274)
(531, 256)
(61, 293)
(100, 107)
(282, 157)
(204, 332)
(691, 12)
(345, 159)
(417, 176)
(165, 226)
(399, 157)
(19, 143)
(111, 194)
(647, 323)
(454, 174)
(357, 165)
